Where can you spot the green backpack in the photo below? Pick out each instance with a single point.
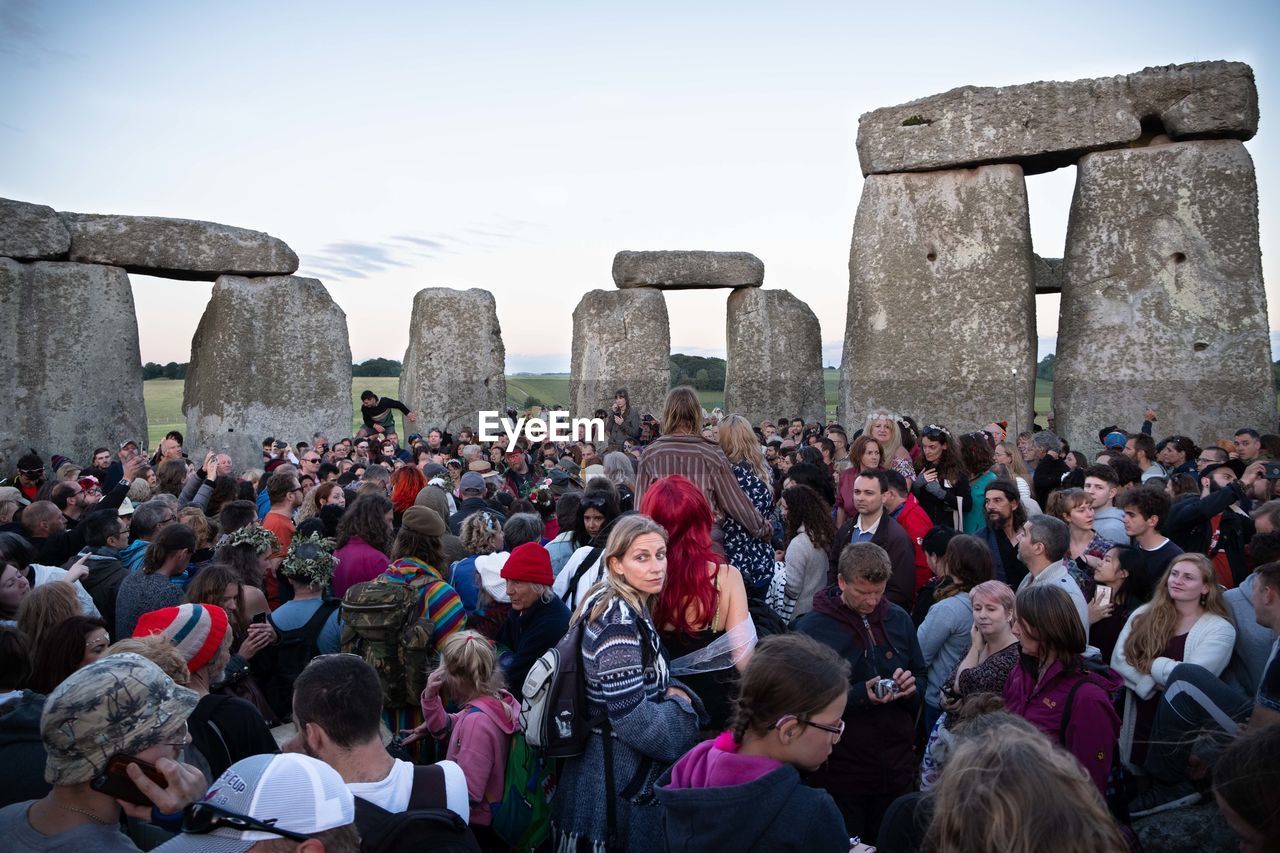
(523, 817)
(380, 623)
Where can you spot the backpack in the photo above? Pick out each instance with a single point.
(570, 596)
(380, 624)
(553, 706)
(523, 817)
(279, 664)
(1120, 785)
(420, 826)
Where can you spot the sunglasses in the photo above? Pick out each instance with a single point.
(31, 472)
(203, 818)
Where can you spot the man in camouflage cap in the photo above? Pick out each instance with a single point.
(119, 705)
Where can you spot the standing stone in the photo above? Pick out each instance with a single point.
(687, 270)
(270, 358)
(1162, 297)
(70, 367)
(31, 231)
(1046, 125)
(775, 357)
(454, 366)
(1048, 275)
(177, 248)
(621, 339)
(941, 299)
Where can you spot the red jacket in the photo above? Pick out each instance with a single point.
(913, 519)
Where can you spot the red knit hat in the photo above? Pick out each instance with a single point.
(196, 630)
(529, 562)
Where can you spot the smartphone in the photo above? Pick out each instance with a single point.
(114, 780)
(259, 618)
(1271, 470)
(1102, 597)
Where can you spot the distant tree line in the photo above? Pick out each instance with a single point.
(172, 370)
(376, 367)
(704, 374)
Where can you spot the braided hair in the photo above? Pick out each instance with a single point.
(787, 674)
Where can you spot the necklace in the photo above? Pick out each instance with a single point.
(93, 817)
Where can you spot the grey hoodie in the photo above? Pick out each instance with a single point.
(1253, 641)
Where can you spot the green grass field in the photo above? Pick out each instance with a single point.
(164, 397)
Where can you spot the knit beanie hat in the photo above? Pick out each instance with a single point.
(531, 563)
(423, 521)
(196, 630)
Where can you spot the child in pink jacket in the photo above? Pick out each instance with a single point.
(480, 733)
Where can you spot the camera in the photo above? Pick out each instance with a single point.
(886, 687)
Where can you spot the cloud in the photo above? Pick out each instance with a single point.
(356, 259)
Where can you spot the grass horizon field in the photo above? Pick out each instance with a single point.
(163, 397)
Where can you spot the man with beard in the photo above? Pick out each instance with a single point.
(1005, 517)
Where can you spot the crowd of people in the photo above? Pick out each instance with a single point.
(785, 636)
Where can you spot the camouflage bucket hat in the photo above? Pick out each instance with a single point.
(119, 705)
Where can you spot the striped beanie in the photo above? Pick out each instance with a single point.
(196, 630)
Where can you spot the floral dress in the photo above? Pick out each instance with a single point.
(750, 556)
(987, 677)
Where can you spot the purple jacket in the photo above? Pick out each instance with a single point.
(1094, 724)
(358, 561)
(479, 738)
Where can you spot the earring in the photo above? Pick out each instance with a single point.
(1204, 599)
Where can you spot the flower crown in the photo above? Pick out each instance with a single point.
(310, 560)
(936, 428)
(262, 539)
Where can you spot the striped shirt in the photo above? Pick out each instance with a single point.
(437, 600)
(702, 461)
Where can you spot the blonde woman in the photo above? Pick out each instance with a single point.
(753, 557)
(882, 425)
(1011, 457)
(1186, 621)
(650, 720)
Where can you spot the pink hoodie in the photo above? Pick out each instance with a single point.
(479, 742)
(718, 764)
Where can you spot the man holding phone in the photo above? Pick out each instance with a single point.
(114, 732)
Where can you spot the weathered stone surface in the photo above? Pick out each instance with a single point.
(621, 339)
(31, 231)
(1048, 275)
(1187, 829)
(69, 361)
(687, 270)
(269, 357)
(176, 248)
(1046, 125)
(775, 357)
(1162, 297)
(941, 299)
(455, 365)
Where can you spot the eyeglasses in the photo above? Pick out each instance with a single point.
(31, 472)
(311, 459)
(837, 729)
(203, 818)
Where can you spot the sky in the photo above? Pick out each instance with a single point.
(516, 147)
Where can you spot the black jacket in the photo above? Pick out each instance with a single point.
(942, 509)
(896, 542)
(21, 750)
(876, 754)
(470, 506)
(1047, 478)
(1190, 529)
(106, 573)
(528, 634)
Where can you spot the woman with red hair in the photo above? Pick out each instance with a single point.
(406, 482)
(702, 610)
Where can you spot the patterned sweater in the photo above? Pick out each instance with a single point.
(437, 600)
(626, 677)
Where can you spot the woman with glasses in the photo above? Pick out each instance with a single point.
(746, 783)
(942, 486)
